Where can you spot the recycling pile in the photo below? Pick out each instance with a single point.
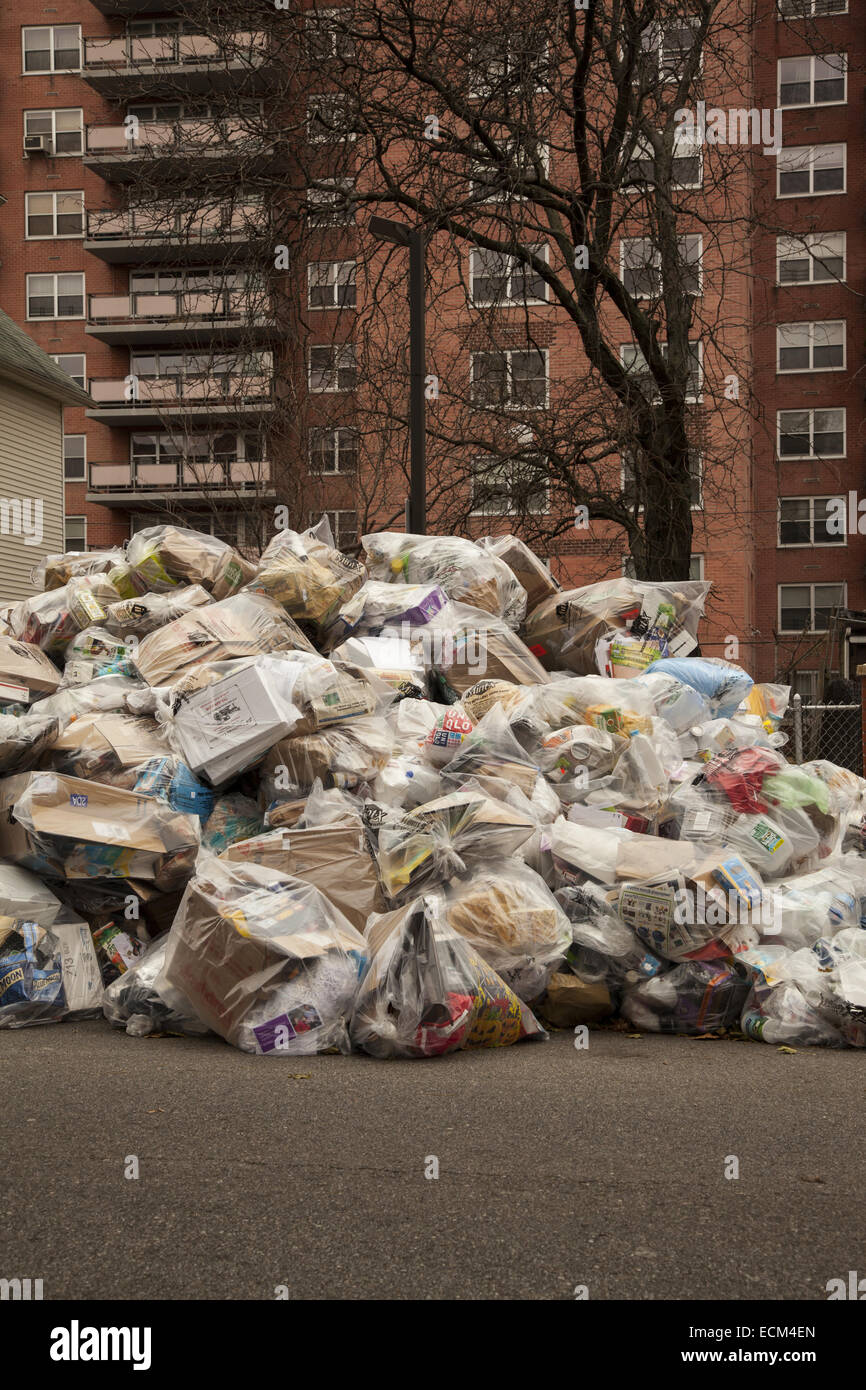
(405, 805)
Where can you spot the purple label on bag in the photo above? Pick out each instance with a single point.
(273, 1035)
(424, 611)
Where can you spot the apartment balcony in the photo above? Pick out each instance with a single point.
(146, 485)
(129, 66)
(182, 317)
(133, 9)
(186, 148)
(158, 236)
(149, 401)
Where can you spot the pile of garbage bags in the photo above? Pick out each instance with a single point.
(406, 804)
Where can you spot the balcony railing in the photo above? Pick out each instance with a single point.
(129, 53)
(173, 224)
(127, 393)
(178, 476)
(188, 136)
(189, 307)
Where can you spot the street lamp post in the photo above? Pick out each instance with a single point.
(401, 234)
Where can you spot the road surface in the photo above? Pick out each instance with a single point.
(558, 1167)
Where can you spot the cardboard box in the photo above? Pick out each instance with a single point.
(227, 726)
(23, 895)
(243, 625)
(335, 859)
(124, 740)
(526, 567)
(14, 841)
(88, 830)
(570, 1001)
(82, 978)
(23, 664)
(223, 971)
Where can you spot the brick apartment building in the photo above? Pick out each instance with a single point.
(124, 302)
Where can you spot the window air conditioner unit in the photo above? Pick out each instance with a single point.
(37, 144)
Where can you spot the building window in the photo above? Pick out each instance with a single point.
(808, 607)
(344, 527)
(64, 129)
(491, 182)
(75, 533)
(635, 364)
(74, 364)
(331, 285)
(811, 347)
(516, 380)
(696, 567)
(811, 434)
(504, 63)
(496, 278)
(686, 163)
(508, 487)
(804, 684)
(813, 258)
(329, 205)
(812, 81)
(805, 521)
(326, 35)
(641, 271)
(50, 215)
(333, 368)
(52, 48)
(329, 119)
(634, 487)
(666, 48)
(55, 296)
(333, 451)
(810, 169)
(74, 457)
(805, 9)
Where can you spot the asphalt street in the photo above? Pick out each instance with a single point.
(558, 1167)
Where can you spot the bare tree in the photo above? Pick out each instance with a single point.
(590, 269)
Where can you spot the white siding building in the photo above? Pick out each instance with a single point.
(33, 392)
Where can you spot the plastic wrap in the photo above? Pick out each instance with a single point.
(265, 959)
(25, 739)
(696, 997)
(443, 837)
(466, 573)
(50, 620)
(426, 992)
(492, 756)
(243, 625)
(531, 573)
(31, 975)
(564, 629)
(80, 829)
(509, 915)
(345, 755)
(234, 817)
(307, 577)
(462, 645)
(162, 558)
(146, 612)
(133, 1001)
(56, 570)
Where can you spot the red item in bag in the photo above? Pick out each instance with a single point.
(740, 775)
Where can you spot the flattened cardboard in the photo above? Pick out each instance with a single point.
(22, 663)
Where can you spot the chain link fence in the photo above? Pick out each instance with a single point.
(833, 732)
